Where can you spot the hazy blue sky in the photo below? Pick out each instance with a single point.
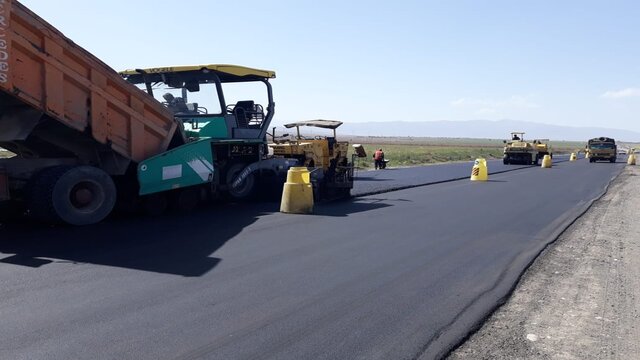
(561, 62)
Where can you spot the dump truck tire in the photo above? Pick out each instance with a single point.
(74, 195)
(247, 187)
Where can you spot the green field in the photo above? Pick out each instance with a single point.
(406, 151)
(411, 155)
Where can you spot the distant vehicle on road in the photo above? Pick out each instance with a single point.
(602, 148)
(519, 151)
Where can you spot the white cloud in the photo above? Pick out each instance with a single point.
(492, 106)
(624, 93)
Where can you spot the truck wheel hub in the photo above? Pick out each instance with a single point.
(82, 195)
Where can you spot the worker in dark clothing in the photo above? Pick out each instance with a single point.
(516, 137)
(378, 159)
(175, 104)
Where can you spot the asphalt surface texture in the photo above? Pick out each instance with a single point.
(580, 300)
(377, 181)
(399, 275)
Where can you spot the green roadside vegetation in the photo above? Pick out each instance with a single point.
(413, 155)
(406, 151)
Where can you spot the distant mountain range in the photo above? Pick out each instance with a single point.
(484, 129)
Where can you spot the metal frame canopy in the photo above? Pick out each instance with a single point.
(601, 139)
(225, 73)
(189, 78)
(520, 138)
(325, 124)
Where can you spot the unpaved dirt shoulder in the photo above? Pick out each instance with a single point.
(581, 297)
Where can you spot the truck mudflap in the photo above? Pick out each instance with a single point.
(277, 165)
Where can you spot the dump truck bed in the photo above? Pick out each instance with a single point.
(44, 71)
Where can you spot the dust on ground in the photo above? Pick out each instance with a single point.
(581, 297)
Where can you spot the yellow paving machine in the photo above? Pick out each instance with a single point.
(332, 169)
(519, 151)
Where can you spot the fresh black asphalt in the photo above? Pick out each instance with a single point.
(376, 181)
(397, 275)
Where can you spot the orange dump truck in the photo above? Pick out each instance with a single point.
(86, 137)
(75, 125)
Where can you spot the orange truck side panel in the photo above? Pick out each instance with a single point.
(47, 71)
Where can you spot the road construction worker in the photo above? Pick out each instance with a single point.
(378, 159)
(516, 137)
(175, 104)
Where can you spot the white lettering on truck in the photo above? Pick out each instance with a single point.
(4, 44)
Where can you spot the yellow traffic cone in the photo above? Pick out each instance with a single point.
(297, 194)
(546, 162)
(573, 157)
(631, 160)
(480, 171)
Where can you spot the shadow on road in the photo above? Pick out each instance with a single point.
(371, 178)
(618, 161)
(351, 206)
(23, 260)
(179, 244)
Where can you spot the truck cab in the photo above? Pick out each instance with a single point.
(602, 148)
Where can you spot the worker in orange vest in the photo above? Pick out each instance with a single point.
(378, 159)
